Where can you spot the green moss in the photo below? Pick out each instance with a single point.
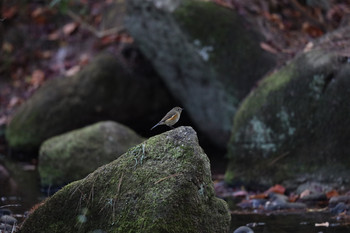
(169, 191)
(280, 127)
(229, 47)
(75, 154)
(258, 97)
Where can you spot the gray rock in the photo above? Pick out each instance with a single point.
(73, 155)
(104, 90)
(208, 72)
(7, 219)
(340, 208)
(6, 228)
(337, 199)
(161, 185)
(293, 124)
(243, 229)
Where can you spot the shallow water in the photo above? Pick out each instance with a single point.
(28, 193)
(289, 223)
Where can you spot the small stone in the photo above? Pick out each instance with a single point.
(5, 227)
(335, 200)
(339, 208)
(243, 229)
(5, 212)
(7, 219)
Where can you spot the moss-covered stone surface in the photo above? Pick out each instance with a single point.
(104, 90)
(295, 124)
(205, 54)
(73, 155)
(161, 185)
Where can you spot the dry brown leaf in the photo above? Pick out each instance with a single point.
(9, 13)
(3, 120)
(55, 35)
(73, 70)
(69, 28)
(38, 77)
(268, 48)
(332, 193)
(305, 193)
(277, 189)
(14, 102)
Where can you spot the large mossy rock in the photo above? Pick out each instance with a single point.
(162, 185)
(104, 90)
(205, 54)
(295, 124)
(75, 154)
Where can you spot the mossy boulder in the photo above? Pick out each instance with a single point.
(104, 90)
(75, 154)
(161, 185)
(205, 54)
(295, 124)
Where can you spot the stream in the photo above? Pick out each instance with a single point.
(26, 192)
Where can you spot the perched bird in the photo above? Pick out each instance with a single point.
(170, 118)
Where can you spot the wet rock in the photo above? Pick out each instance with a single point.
(314, 198)
(208, 73)
(340, 208)
(292, 124)
(337, 199)
(73, 155)
(7, 219)
(161, 185)
(314, 188)
(280, 202)
(5, 212)
(6, 228)
(243, 229)
(104, 90)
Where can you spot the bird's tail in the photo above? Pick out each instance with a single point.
(156, 125)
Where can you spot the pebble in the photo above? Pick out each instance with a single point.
(243, 229)
(7, 219)
(280, 202)
(339, 208)
(5, 227)
(5, 212)
(335, 200)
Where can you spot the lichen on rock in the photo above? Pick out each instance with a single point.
(75, 154)
(293, 124)
(161, 185)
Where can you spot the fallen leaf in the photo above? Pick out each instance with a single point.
(308, 46)
(3, 120)
(259, 196)
(73, 70)
(14, 102)
(277, 189)
(312, 30)
(268, 48)
(332, 193)
(55, 35)
(37, 78)
(69, 28)
(84, 59)
(305, 193)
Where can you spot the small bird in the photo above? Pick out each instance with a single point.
(170, 118)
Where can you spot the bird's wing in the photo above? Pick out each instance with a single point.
(169, 116)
